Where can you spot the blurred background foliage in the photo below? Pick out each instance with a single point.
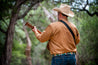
(87, 26)
(87, 48)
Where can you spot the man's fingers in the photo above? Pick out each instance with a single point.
(34, 29)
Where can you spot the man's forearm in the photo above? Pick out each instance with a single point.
(39, 31)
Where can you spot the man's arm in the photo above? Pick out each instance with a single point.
(45, 35)
(77, 37)
(30, 26)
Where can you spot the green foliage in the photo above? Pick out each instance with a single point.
(5, 6)
(38, 55)
(37, 18)
(20, 32)
(89, 34)
(18, 54)
(19, 46)
(90, 63)
(3, 26)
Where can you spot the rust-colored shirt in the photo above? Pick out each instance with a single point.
(59, 37)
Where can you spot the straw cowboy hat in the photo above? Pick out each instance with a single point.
(65, 9)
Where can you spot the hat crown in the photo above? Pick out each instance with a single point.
(65, 9)
(64, 5)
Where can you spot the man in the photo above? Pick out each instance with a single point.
(61, 42)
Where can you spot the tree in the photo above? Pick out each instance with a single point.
(89, 6)
(87, 48)
(28, 48)
(13, 6)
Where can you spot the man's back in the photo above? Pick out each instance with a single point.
(62, 41)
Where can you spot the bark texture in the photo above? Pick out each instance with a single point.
(28, 48)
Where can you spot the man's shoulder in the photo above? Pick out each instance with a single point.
(55, 23)
(73, 24)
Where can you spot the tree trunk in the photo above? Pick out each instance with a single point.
(7, 53)
(28, 48)
(9, 41)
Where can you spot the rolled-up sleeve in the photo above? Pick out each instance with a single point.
(45, 35)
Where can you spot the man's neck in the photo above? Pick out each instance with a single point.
(64, 19)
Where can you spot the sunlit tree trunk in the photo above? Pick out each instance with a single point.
(28, 47)
(49, 15)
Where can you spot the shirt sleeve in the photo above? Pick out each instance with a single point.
(77, 37)
(45, 35)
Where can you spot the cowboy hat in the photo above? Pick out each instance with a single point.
(65, 9)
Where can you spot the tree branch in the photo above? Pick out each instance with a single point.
(90, 14)
(29, 8)
(20, 2)
(85, 5)
(25, 13)
(17, 6)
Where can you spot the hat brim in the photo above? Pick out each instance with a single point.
(59, 10)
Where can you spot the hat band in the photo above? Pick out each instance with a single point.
(64, 15)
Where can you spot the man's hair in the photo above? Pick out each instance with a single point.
(64, 15)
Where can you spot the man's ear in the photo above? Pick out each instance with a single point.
(59, 16)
